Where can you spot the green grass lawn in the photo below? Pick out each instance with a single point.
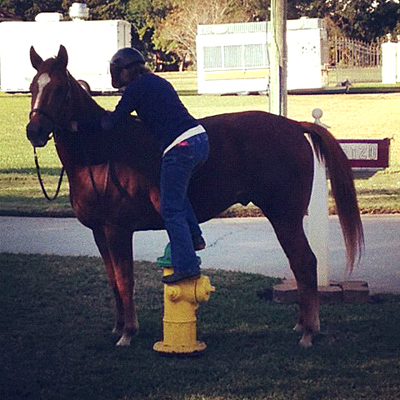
(56, 342)
(355, 116)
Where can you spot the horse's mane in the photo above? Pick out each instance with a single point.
(130, 143)
(83, 101)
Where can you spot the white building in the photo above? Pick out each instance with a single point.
(233, 58)
(90, 46)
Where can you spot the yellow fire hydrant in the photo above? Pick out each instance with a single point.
(181, 300)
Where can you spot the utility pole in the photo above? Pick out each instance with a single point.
(278, 58)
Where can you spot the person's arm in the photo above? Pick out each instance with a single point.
(112, 119)
(123, 110)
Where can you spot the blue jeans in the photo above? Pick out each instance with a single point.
(177, 167)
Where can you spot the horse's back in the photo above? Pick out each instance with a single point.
(254, 139)
(255, 157)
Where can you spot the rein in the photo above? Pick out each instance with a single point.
(39, 175)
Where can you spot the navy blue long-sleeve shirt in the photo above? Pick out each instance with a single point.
(156, 103)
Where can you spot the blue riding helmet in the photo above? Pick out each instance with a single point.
(126, 57)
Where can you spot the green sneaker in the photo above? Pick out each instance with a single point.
(165, 260)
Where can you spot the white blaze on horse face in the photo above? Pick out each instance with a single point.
(42, 82)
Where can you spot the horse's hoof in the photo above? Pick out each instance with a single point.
(298, 327)
(124, 341)
(306, 341)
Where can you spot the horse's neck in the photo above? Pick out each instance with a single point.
(135, 146)
(83, 106)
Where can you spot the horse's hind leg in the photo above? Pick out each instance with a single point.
(303, 263)
(115, 246)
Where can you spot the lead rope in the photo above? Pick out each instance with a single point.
(39, 175)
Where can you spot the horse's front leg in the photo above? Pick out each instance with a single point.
(102, 245)
(118, 243)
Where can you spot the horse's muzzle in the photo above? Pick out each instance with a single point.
(37, 134)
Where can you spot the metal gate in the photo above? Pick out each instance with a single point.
(354, 60)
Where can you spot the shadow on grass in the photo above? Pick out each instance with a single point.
(57, 316)
(31, 171)
(35, 206)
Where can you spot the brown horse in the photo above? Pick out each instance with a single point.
(255, 156)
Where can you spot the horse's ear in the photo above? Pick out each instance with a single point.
(36, 60)
(62, 57)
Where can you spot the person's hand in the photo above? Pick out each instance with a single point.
(74, 126)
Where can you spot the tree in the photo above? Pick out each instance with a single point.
(28, 9)
(361, 19)
(386, 18)
(176, 33)
(145, 15)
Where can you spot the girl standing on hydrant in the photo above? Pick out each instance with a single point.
(184, 145)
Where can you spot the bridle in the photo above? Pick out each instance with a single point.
(44, 113)
(53, 134)
(40, 111)
(56, 132)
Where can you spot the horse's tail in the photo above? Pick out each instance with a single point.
(343, 190)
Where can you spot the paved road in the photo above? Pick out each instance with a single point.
(239, 244)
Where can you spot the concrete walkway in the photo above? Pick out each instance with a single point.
(238, 244)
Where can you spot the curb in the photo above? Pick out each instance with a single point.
(336, 292)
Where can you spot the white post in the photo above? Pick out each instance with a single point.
(318, 214)
(398, 59)
(390, 58)
(278, 57)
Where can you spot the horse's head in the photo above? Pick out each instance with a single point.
(50, 90)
